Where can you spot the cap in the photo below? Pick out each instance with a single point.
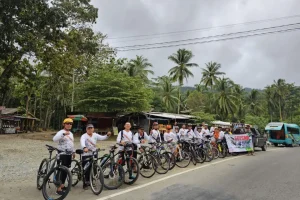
(169, 127)
(155, 123)
(68, 120)
(90, 126)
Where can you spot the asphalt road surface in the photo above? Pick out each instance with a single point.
(274, 174)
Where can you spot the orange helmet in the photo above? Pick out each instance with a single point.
(168, 127)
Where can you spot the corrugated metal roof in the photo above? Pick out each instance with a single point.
(8, 111)
(170, 115)
(221, 123)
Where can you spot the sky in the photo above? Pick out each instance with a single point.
(253, 62)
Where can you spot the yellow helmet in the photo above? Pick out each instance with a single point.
(68, 120)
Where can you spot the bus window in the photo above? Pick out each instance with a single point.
(277, 134)
(293, 130)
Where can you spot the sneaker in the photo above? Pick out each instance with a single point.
(85, 187)
(60, 192)
(132, 177)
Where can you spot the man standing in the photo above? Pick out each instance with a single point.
(88, 143)
(154, 133)
(249, 132)
(140, 137)
(182, 132)
(190, 133)
(65, 141)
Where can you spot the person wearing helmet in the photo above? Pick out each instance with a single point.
(88, 143)
(154, 133)
(65, 141)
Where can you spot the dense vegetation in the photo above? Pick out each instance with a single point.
(52, 62)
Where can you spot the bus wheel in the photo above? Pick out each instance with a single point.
(276, 145)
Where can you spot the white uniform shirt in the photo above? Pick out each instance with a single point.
(155, 136)
(90, 142)
(127, 137)
(182, 133)
(137, 137)
(205, 133)
(169, 137)
(190, 134)
(221, 135)
(65, 143)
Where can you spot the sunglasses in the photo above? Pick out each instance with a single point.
(69, 123)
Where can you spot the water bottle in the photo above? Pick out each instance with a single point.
(86, 166)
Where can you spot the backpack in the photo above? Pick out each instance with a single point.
(156, 139)
(123, 136)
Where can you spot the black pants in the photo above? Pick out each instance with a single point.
(134, 153)
(88, 170)
(64, 160)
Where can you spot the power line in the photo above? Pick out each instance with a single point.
(207, 37)
(209, 41)
(207, 28)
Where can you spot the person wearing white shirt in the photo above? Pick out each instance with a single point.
(221, 134)
(155, 134)
(140, 137)
(182, 132)
(170, 138)
(190, 133)
(205, 132)
(65, 141)
(212, 128)
(88, 143)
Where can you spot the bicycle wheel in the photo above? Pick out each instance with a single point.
(223, 151)
(113, 175)
(96, 179)
(147, 165)
(42, 172)
(201, 155)
(183, 159)
(55, 177)
(216, 152)
(76, 172)
(132, 171)
(172, 160)
(209, 155)
(162, 163)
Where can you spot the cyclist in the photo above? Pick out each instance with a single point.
(140, 137)
(88, 143)
(170, 137)
(126, 136)
(65, 141)
(154, 133)
(182, 132)
(190, 133)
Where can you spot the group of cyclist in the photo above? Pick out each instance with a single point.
(89, 140)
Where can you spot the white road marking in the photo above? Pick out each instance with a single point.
(171, 176)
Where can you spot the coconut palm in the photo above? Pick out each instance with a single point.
(139, 67)
(167, 92)
(224, 99)
(181, 71)
(254, 102)
(281, 92)
(210, 74)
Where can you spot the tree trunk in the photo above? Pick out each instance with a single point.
(73, 91)
(178, 108)
(280, 112)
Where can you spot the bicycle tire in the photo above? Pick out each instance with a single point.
(201, 155)
(120, 172)
(68, 188)
(98, 169)
(159, 168)
(133, 162)
(150, 164)
(184, 155)
(172, 160)
(40, 173)
(209, 155)
(76, 170)
(216, 152)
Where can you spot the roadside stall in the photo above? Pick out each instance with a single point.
(79, 123)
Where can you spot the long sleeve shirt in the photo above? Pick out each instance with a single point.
(90, 142)
(65, 142)
(127, 137)
(155, 136)
(190, 134)
(182, 133)
(138, 138)
(168, 137)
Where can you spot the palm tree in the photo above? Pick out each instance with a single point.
(281, 92)
(253, 102)
(139, 67)
(269, 96)
(167, 92)
(210, 74)
(224, 98)
(181, 71)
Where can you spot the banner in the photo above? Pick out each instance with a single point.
(239, 143)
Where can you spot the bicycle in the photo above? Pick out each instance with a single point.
(54, 176)
(96, 173)
(113, 172)
(147, 162)
(44, 168)
(182, 157)
(162, 159)
(130, 164)
(222, 148)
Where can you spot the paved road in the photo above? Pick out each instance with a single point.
(269, 175)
